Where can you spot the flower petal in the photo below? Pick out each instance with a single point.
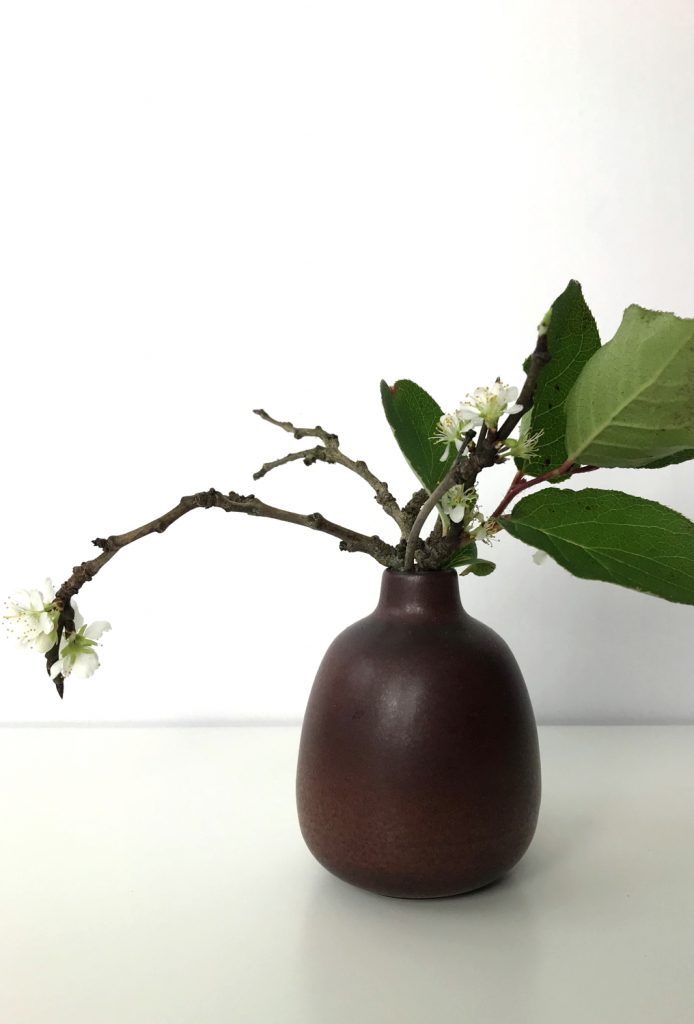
(45, 622)
(86, 664)
(44, 642)
(94, 631)
(465, 412)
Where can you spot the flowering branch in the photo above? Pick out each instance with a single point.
(350, 540)
(432, 501)
(474, 437)
(539, 359)
(487, 451)
(330, 453)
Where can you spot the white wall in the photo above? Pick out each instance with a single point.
(207, 207)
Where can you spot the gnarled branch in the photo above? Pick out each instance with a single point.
(330, 453)
(411, 509)
(350, 540)
(300, 432)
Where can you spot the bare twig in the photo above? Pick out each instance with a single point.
(411, 509)
(330, 453)
(350, 540)
(432, 501)
(308, 456)
(299, 432)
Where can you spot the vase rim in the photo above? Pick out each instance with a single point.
(419, 573)
(421, 593)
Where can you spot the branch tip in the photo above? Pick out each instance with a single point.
(329, 451)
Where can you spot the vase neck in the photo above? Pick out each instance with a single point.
(434, 595)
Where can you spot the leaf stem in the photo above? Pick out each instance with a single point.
(520, 484)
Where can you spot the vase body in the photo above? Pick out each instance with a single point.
(419, 770)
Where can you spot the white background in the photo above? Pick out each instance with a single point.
(206, 207)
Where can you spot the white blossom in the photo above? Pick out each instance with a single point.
(33, 617)
(539, 557)
(449, 431)
(77, 653)
(486, 405)
(459, 503)
(524, 447)
(485, 532)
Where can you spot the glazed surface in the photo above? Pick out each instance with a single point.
(419, 770)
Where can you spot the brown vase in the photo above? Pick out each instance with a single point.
(419, 768)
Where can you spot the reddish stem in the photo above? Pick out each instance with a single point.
(518, 484)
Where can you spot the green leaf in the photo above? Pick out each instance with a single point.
(462, 556)
(480, 567)
(467, 556)
(633, 404)
(413, 416)
(611, 536)
(572, 338)
(671, 460)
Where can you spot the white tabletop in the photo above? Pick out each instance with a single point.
(158, 876)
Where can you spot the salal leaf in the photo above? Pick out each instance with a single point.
(467, 556)
(611, 536)
(572, 338)
(413, 416)
(633, 404)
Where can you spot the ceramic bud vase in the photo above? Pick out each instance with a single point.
(419, 769)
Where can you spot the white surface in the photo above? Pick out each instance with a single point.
(206, 207)
(158, 875)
